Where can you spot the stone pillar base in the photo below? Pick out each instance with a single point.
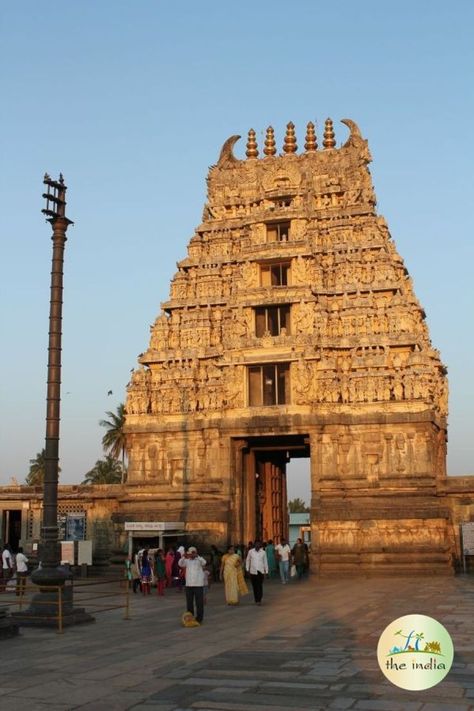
(8, 626)
(53, 599)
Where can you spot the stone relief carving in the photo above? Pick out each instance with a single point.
(358, 369)
(358, 337)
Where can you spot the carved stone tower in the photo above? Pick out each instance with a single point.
(292, 329)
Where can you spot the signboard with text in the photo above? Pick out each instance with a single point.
(67, 552)
(467, 531)
(72, 526)
(84, 553)
(76, 527)
(153, 525)
(62, 522)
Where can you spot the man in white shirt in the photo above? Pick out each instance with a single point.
(256, 565)
(21, 571)
(283, 552)
(7, 566)
(194, 568)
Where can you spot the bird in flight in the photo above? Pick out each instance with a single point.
(110, 392)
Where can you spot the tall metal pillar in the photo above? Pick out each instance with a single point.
(51, 578)
(55, 211)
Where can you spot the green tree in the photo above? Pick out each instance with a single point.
(35, 476)
(105, 471)
(113, 441)
(297, 506)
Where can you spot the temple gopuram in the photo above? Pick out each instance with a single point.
(292, 329)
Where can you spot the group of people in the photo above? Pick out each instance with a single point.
(14, 569)
(283, 558)
(178, 568)
(261, 560)
(186, 569)
(149, 566)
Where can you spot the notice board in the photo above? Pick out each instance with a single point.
(467, 532)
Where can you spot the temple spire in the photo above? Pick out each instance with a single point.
(270, 146)
(252, 150)
(329, 137)
(311, 143)
(289, 146)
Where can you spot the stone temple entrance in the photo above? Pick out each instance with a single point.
(265, 497)
(292, 327)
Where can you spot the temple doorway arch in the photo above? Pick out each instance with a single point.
(263, 501)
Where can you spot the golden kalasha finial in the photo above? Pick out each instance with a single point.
(311, 143)
(289, 146)
(252, 150)
(270, 146)
(329, 137)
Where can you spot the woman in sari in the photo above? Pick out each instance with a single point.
(232, 574)
(169, 561)
(160, 569)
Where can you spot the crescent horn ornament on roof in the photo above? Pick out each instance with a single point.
(356, 140)
(227, 154)
(354, 130)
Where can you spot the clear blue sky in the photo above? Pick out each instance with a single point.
(132, 102)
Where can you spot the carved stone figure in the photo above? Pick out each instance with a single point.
(304, 315)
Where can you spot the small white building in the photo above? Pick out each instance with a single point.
(299, 528)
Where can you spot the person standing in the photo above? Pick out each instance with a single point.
(193, 566)
(207, 583)
(283, 552)
(256, 565)
(21, 571)
(160, 568)
(178, 571)
(135, 574)
(145, 572)
(169, 562)
(231, 573)
(299, 557)
(272, 564)
(7, 566)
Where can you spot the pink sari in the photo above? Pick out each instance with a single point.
(169, 560)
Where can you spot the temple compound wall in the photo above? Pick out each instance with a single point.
(292, 329)
(105, 516)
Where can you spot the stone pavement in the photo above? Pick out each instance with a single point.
(312, 645)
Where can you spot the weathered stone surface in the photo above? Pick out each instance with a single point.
(292, 328)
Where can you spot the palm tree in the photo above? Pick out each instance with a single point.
(105, 471)
(113, 441)
(35, 476)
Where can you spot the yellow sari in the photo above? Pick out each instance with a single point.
(234, 582)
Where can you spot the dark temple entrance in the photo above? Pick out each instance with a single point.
(264, 485)
(11, 528)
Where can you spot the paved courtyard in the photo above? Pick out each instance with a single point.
(311, 645)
